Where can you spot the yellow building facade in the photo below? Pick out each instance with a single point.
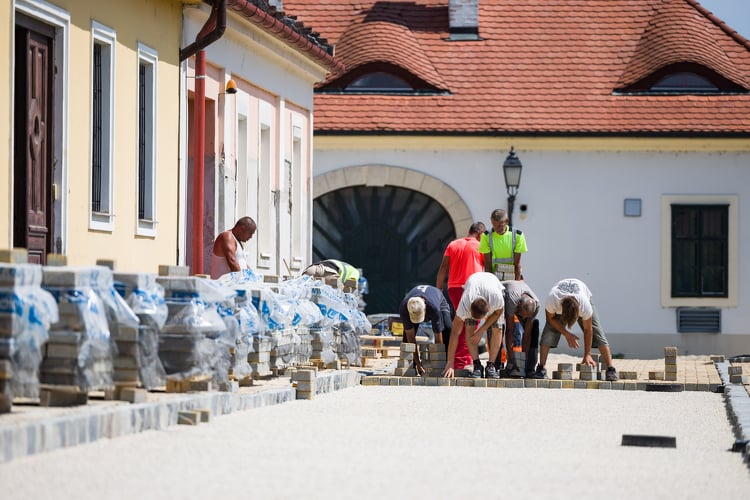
(90, 156)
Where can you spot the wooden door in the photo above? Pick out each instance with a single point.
(33, 211)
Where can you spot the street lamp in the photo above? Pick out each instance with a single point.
(512, 171)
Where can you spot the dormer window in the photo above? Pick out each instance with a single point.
(684, 81)
(684, 78)
(379, 78)
(379, 81)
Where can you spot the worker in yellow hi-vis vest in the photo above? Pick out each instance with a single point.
(502, 248)
(332, 267)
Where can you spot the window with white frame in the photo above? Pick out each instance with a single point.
(700, 238)
(296, 198)
(103, 42)
(147, 62)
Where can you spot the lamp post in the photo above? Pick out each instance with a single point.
(512, 171)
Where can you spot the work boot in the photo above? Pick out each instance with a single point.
(476, 371)
(612, 374)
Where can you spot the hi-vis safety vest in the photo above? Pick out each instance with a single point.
(504, 267)
(346, 271)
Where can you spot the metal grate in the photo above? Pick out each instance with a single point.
(698, 320)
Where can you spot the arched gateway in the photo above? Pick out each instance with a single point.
(392, 222)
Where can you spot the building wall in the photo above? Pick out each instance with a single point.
(574, 192)
(263, 142)
(6, 125)
(157, 25)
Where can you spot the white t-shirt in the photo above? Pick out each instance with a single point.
(570, 288)
(484, 285)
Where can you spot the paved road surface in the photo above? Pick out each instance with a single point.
(412, 442)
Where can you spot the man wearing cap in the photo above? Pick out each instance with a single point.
(482, 300)
(424, 302)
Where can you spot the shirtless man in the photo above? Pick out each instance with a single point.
(228, 252)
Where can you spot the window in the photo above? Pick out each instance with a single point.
(102, 126)
(380, 78)
(147, 60)
(379, 81)
(684, 82)
(699, 250)
(684, 78)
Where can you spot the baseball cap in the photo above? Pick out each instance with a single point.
(416, 309)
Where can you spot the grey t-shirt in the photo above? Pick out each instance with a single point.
(514, 290)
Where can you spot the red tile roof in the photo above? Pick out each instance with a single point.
(541, 66)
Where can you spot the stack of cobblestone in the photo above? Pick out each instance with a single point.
(195, 343)
(79, 353)
(26, 311)
(137, 363)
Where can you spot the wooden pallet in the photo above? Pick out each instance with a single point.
(192, 384)
(62, 395)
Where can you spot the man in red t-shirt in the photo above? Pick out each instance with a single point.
(460, 260)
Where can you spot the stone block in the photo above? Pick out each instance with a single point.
(305, 386)
(14, 255)
(657, 375)
(408, 347)
(670, 351)
(734, 370)
(169, 270)
(565, 367)
(189, 417)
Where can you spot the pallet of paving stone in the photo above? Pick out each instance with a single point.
(26, 313)
(137, 360)
(79, 352)
(195, 340)
(348, 345)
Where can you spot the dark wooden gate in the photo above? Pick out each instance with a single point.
(396, 235)
(33, 159)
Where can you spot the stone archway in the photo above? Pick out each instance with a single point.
(392, 222)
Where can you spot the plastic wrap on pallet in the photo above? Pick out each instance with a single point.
(323, 344)
(238, 340)
(100, 280)
(82, 328)
(81, 349)
(13, 275)
(26, 313)
(331, 303)
(195, 340)
(240, 278)
(145, 297)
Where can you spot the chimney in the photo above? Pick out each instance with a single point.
(463, 19)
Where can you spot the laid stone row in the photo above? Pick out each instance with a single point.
(627, 385)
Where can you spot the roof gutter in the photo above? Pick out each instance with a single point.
(214, 29)
(268, 22)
